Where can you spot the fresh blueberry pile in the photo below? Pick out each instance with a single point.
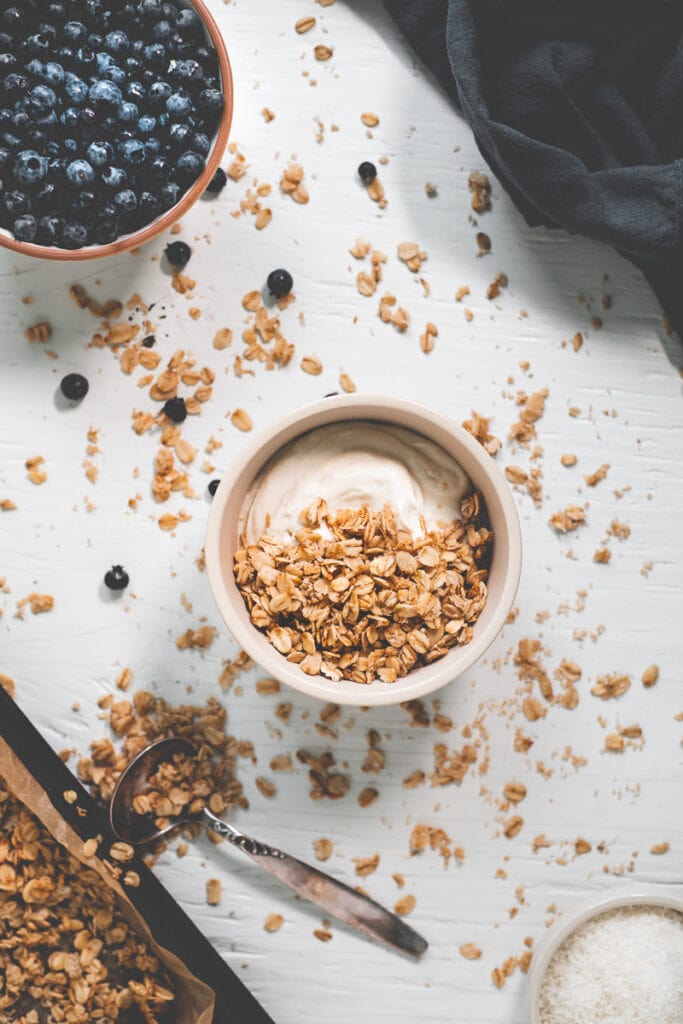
(108, 110)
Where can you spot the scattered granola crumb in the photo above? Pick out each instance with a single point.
(41, 332)
(214, 892)
(568, 460)
(405, 905)
(660, 848)
(366, 865)
(480, 187)
(322, 934)
(650, 675)
(323, 849)
(568, 519)
(478, 427)
(369, 120)
(35, 474)
(305, 24)
(273, 923)
(241, 419)
(470, 951)
(600, 473)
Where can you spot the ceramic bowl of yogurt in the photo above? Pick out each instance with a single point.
(356, 452)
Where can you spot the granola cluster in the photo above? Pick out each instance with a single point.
(354, 597)
(67, 953)
(184, 785)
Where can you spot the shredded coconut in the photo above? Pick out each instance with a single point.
(622, 967)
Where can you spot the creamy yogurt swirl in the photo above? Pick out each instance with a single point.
(354, 464)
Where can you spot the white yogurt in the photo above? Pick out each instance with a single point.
(354, 464)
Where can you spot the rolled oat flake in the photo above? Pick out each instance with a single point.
(622, 967)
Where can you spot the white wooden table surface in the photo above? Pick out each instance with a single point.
(625, 382)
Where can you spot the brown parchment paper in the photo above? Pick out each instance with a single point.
(194, 1002)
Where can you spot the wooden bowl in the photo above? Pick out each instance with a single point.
(155, 227)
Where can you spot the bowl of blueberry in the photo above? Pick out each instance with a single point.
(114, 116)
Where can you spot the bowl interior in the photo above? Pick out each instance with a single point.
(165, 220)
(223, 541)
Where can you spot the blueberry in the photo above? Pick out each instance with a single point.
(104, 93)
(12, 18)
(43, 98)
(103, 61)
(280, 283)
(21, 119)
(40, 44)
(115, 74)
(155, 55)
(25, 228)
(188, 22)
(178, 254)
(37, 137)
(213, 487)
(162, 31)
(5, 116)
(74, 387)
(117, 42)
(128, 112)
(201, 143)
(10, 140)
(175, 410)
(218, 182)
(117, 578)
(99, 153)
(106, 231)
(133, 65)
(75, 235)
(95, 41)
(114, 177)
(150, 9)
(367, 172)
(34, 67)
(169, 194)
(80, 172)
(86, 201)
(211, 100)
(133, 152)
(160, 168)
(75, 32)
(149, 342)
(179, 105)
(87, 119)
(16, 203)
(136, 91)
(146, 124)
(149, 206)
(190, 165)
(53, 73)
(179, 135)
(30, 168)
(126, 201)
(70, 146)
(159, 92)
(153, 146)
(69, 117)
(15, 84)
(56, 12)
(76, 89)
(49, 230)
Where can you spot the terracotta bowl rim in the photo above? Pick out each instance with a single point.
(229, 601)
(138, 238)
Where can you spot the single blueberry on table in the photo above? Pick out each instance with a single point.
(30, 168)
(367, 172)
(175, 409)
(80, 172)
(25, 228)
(116, 578)
(213, 487)
(178, 254)
(74, 387)
(280, 283)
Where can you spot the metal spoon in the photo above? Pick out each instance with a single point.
(334, 897)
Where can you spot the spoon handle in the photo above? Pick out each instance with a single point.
(334, 897)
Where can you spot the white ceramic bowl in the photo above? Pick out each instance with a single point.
(582, 911)
(222, 541)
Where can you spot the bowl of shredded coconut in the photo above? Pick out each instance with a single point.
(613, 959)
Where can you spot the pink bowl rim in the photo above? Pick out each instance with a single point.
(228, 598)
